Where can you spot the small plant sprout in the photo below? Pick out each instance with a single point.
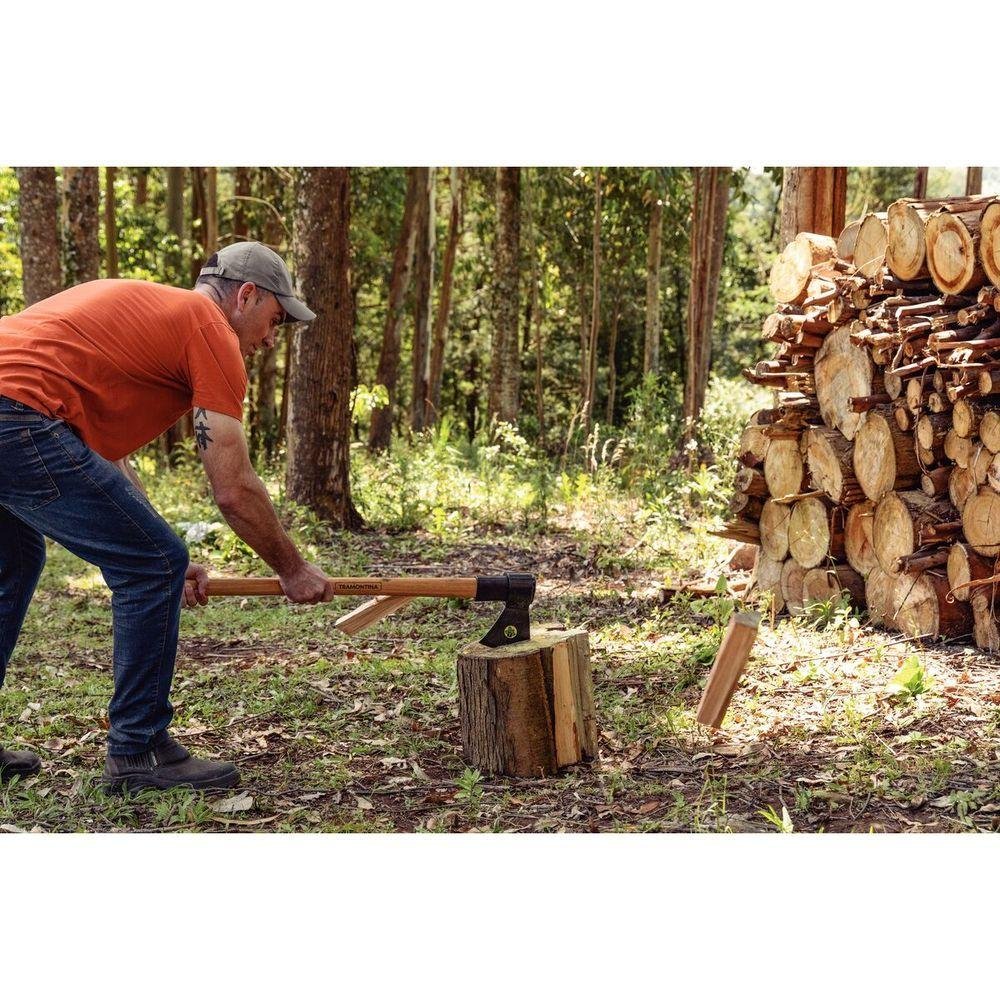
(911, 679)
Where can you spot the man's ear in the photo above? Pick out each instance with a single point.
(245, 294)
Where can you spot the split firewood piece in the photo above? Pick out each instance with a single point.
(369, 613)
(792, 578)
(767, 582)
(908, 520)
(981, 521)
(784, 471)
(964, 566)
(922, 608)
(843, 371)
(826, 583)
(870, 245)
(774, 529)
(815, 531)
(729, 664)
(879, 590)
(829, 458)
(953, 251)
(989, 242)
(858, 537)
(793, 269)
(884, 456)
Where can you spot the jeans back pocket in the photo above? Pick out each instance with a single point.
(24, 480)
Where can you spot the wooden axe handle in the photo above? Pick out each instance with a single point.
(370, 586)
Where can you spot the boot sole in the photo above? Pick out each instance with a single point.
(138, 782)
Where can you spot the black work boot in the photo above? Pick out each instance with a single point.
(167, 765)
(18, 764)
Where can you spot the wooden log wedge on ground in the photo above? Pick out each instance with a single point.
(729, 664)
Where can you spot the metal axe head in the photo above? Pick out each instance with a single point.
(517, 591)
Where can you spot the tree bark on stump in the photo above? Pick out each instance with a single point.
(528, 709)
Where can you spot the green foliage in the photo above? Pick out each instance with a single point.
(911, 679)
(11, 292)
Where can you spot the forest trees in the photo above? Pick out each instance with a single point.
(40, 257)
(505, 368)
(319, 410)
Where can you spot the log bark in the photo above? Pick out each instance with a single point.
(884, 456)
(813, 200)
(527, 709)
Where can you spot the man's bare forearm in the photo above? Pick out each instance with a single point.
(249, 512)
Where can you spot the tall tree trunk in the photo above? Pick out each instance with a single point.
(266, 425)
(110, 222)
(536, 308)
(708, 233)
(424, 286)
(204, 217)
(974, 180)
(595, 303)
(505, 370)
(651, 353)
(83, 248)
(175, 213)
(920, 183)
(581, 294)
(184, 427)
(242, 192)
(319, 413)
(380, 431)
(612, 364)
(39, 214)
(439, 334)
(813, 200)
(140, 186)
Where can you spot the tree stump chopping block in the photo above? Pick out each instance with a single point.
(528, 709)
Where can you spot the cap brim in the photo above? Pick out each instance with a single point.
(296, 311)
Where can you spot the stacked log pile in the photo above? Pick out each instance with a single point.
(876, 472)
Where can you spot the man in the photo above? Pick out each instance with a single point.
(87, 377)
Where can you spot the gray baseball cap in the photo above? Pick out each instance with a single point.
(261, 265)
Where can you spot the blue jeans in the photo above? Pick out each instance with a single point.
(52, 484)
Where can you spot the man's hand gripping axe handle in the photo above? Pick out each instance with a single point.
(515, 590)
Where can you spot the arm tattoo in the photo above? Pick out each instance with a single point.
(201, 429)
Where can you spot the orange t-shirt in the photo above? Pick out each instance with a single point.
(121, 361)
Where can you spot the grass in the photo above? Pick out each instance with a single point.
(835, 726)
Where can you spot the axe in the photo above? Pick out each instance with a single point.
(515, 591)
